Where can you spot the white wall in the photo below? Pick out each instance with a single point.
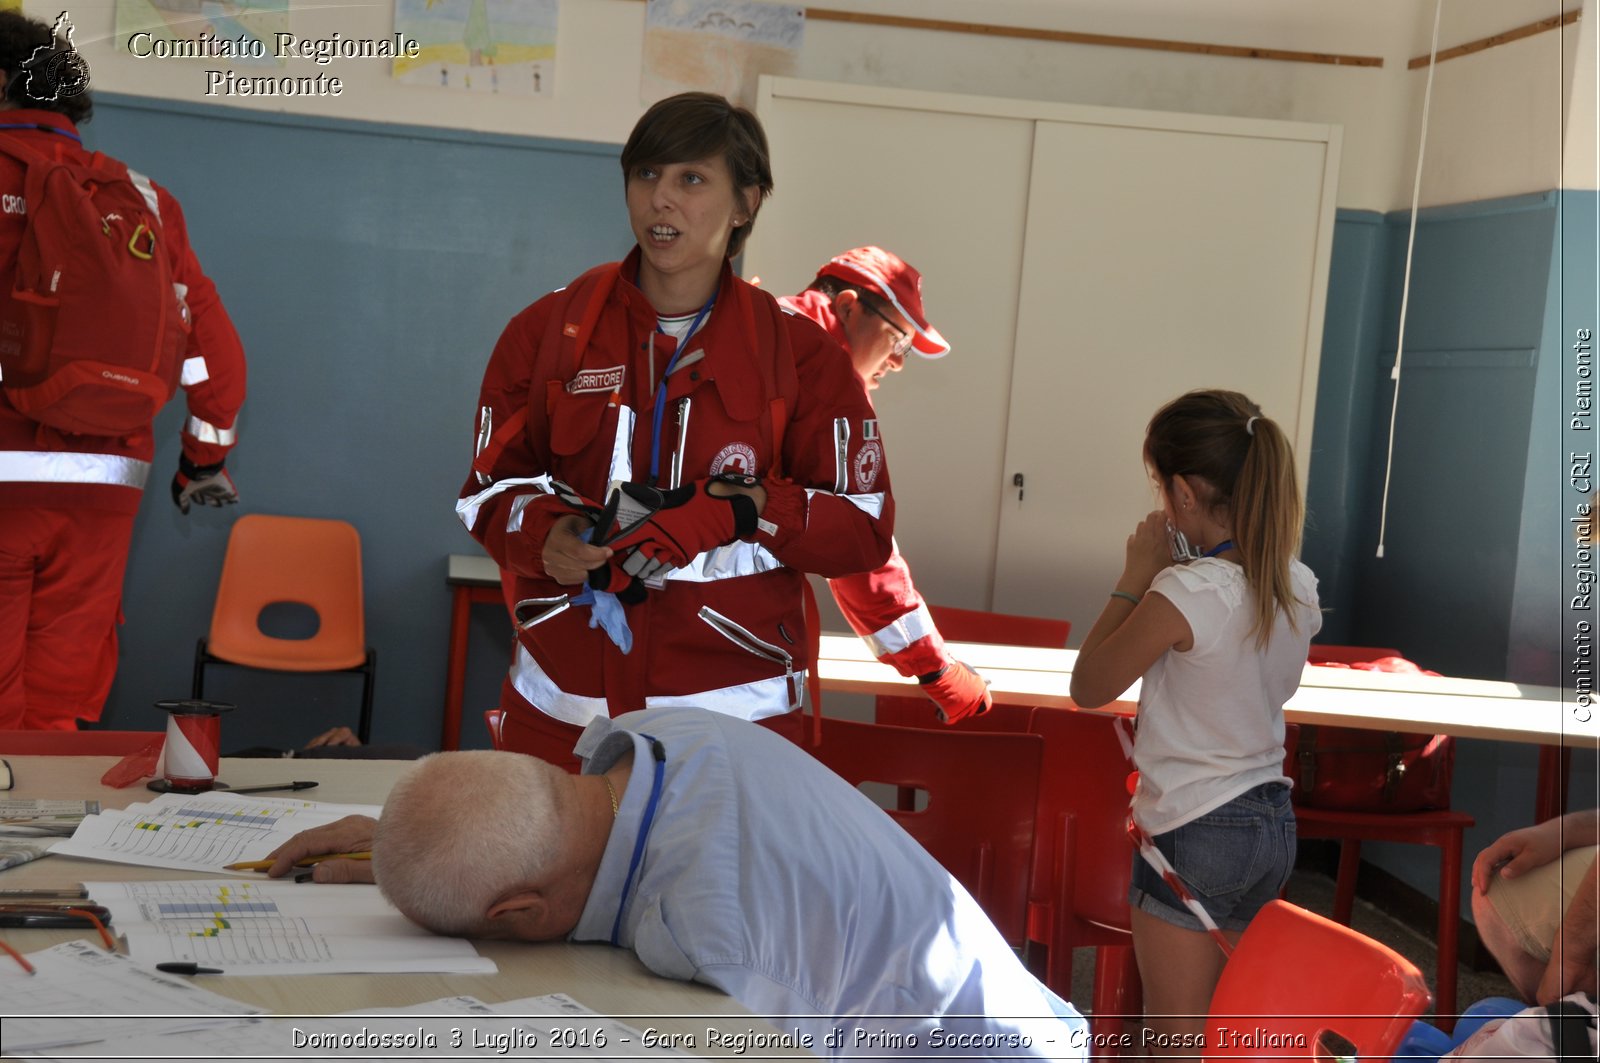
(1495, 120)
(1581, 162)
(1493, 116)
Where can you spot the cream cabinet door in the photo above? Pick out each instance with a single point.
(1159, 258)
(947, 190)
(1086, 264)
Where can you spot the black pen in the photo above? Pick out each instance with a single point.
(272, 786)
(187, 968)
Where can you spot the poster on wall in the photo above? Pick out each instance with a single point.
(497, 46)
(717, 46)
(246, 29)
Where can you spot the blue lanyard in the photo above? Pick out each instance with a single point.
(661, 391)
(658, 751)
(1223, 547)
(43, 129)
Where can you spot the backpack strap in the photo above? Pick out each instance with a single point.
(571, 338)
(778, 375)
(20, 151)
(1571, 1030)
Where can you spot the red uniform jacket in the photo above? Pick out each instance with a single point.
(882, 606)
(759, 391)
(43, 467)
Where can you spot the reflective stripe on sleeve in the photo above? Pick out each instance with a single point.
(467, 508)
(871, 504)
(194, 372)
(901, 632)
(206, 432)
(49, 466)
(514, 518)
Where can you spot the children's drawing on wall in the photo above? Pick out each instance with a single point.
(717, 46)
(245, 30)
(502, 46)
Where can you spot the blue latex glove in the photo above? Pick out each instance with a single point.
(606, 612)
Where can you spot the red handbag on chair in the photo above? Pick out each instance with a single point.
(1351, 770)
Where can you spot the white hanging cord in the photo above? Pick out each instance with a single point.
(1405, 288)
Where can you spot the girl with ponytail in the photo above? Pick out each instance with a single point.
(1220, 641)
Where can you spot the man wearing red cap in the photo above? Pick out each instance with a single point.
(870, 301)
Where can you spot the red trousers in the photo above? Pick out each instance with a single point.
(60, 603)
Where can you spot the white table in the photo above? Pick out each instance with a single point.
(1467, 708)
(1344, 697)
(609, 980)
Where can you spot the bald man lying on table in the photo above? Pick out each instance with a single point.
(720, 853)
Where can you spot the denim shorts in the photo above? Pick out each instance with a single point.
(1234, 859)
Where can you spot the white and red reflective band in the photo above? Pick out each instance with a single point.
(1158, 860)
(206, 432)
(71, 467)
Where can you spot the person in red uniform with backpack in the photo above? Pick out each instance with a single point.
(870, 301)
(104, 311)
(663, 452)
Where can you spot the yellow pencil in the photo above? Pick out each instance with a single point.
(305, 861)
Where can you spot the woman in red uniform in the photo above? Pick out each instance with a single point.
(744, 446)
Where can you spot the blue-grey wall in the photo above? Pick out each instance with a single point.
(369, 269)
(1442, 591)
(1471, 582)
(1340, 447)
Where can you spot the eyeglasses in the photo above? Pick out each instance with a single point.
(902, 342)
(48, 914)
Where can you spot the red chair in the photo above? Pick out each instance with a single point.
(982, 789)
(76, 743)
(1083, 861)
(1442, 829)
(1297, 980)
(1079, 892)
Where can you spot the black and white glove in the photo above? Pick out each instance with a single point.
(207, 485)
(658, 531)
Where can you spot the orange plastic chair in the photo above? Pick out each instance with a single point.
(982, 793)
(1083, 861)
(75, 743)
(1297, 979)
(301, 560)
(1443, 829)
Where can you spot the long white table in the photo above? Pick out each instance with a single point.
(609, 980)
(1467, 708)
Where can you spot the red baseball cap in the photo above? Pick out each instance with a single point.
(886, 275)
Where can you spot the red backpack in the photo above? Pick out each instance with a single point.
(93, 333)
